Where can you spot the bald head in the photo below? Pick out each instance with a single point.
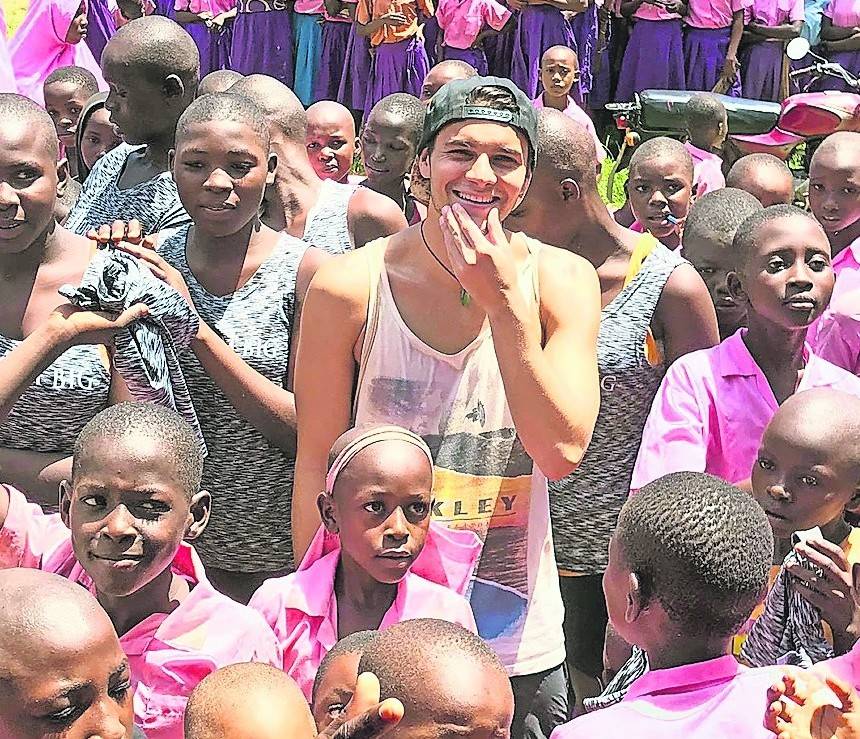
(662, 148)
(248, 701)
(443, 73)
(220, 80)
(17, 110)
(566, 148)
(279, 104)
(559, 55)
(844, 145)
(764, 176)
(824, 417)
(330, 113)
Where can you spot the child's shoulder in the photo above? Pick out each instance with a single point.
(428, 599)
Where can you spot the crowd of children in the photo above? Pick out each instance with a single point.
(447, 448)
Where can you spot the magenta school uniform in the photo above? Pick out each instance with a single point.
(843, 14)
(712, 408)
(706, 42)
(169, 654)
(707, 170)
(462, 21)
(301, 608)
(761, 62)
(845, 667)
(575, 113)
(715, 699)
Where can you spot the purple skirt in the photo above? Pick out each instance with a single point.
(398, 67)
(204, 40)
(704, 55)
(335, 40)
(355, 79)
(850, 60)
(538, 28)
(165, 8)
(584, 27)
(431, 37)
(263, 44)
(100, 27)
(761, 67)
(650, 41)
(499, 49)
(476, 57)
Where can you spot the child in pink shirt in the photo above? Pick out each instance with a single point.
(841, 38)
(713, 404)
(688, 562)
(707, 127)
(358, 573)
(133, 500)
(465, 23)
(769, 24)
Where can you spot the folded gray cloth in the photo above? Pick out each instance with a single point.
(634, 668)
(146, 355)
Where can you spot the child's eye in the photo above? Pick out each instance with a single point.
(193, 165)
(94, 501)
(818, 264)
(809, 481)
(120, 692)
(765, 464)
(775, 265)
(313, 145)
(375, 506)
(817, 186)
(93, 139)
(64, 717)
(848, 190)
(641, 188)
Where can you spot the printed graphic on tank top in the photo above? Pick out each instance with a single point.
(326, 226)
(485, 481)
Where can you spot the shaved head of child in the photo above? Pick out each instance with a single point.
(763, 175)
(442, 74)
(334, 684)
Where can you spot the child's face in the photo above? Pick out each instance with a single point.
(381, 509)
(28, 185)
(386, 151)
(128, 512)
(136, 105)
(336, 688)
(78, 27)
(713, 261)
(834, 189)
(787, 280)
(479, 166)
(221, 170)
(68, 689)
(64, 102)
(331, 145)
(99, 137)
(658, 188)
(559, 71)
(801, 479)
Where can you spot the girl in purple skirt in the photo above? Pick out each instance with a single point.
(584, 27)
(769, 26)
(714, 30)
(101, 25)
(352, 91)
(464, 23)
(210, 24)
(400, 61)
(540, 26)
(336, 29)
(499, 49)
(656, 35)
(263, 39)
(841, 39)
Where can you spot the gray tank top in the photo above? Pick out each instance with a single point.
(585, 505)
(51, 412)
(251, 480)
(326, 225)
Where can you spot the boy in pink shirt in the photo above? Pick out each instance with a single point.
(713, 405)
(357, 573)
(132, 502)
(464, 24)
(707, 127)
(687, 564)
(559, 71)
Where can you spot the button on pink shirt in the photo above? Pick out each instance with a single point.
(301, 608)
(775, 12)
(844, 13)
(463, 20)
(707, 170)
(712, 408)
(716, 699)
(714, 13)
(575, 113)
(836, 335)
(169, 654)
(648, 12)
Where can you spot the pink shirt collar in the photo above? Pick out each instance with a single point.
(735, 360)
(848, 258)
(685, 678)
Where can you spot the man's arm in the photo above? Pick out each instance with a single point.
(371, 215)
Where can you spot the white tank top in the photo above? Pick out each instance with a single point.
(326, 226)
(485, 480)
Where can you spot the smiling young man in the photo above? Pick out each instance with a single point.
(504, 389)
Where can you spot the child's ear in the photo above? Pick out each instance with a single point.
(853, 506)
(171, 160)
(735, 287)
(173, 86)
(65, 501)
(570, 189)
(272, 167)
(357, 145)
(198, 515)
(325, 504)
(62, 176)
(635, 598)
(424, 163)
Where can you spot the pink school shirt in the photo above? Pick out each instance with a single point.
(169, 654)
(575, 113)
(775, 12)
(216, 7)
(648, 12)
(714, 13)
(301, 609)
(463, 20)
(844, 13)
(309, 6)
(712, 408)
(845, 667)
(707, 170)
(836, 335)
(714, 699)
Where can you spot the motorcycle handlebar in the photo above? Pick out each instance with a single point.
(832, 69)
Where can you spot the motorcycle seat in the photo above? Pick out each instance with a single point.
(663, 111)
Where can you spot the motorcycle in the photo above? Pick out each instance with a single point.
(755, 126)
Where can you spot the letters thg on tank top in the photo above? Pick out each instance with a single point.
(485, 480)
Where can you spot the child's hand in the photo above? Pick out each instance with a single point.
(365, 717)
(516, 4)
(835, 593)
(130, 231)
(731, 67)
(165, 272)
(801, 706)
(394, 19)
(78, 326)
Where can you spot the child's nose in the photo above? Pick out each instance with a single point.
(778, 492)
(397, 525)
(218, 180)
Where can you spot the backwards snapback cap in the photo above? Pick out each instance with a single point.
(452, 103)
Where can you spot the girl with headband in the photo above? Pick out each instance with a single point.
(376, 560)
